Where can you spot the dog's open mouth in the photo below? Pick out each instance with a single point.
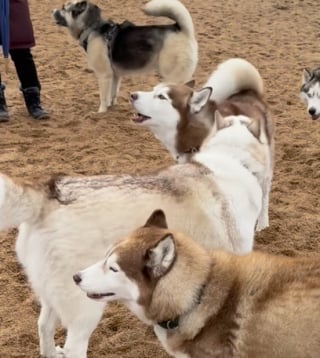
(315, 116)
(59, 19)
(139, 118)
(98, 296)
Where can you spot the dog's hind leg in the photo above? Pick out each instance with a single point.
(175, 73)
(97, 54)
(176, 64)
(80, 330)
(46, 328)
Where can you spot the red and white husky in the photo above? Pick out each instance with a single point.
(209, 303)
(181, 118)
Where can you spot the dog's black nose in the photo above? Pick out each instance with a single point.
(134, 96)
(77, 278)
(312, 111)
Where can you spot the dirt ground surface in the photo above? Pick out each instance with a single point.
(280, 37)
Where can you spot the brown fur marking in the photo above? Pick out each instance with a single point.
(194, 128)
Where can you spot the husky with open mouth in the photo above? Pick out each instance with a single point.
(116, 50)
(67, 224)
(181, 117)
(310, 92)
(208, 304)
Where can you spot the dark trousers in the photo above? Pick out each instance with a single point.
(25, 67)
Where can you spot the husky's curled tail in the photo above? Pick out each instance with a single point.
(174, 10)
(233, 76)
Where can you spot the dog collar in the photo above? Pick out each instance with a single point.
(110, 33)
(83, 39)
(170, 324)
(192, 150)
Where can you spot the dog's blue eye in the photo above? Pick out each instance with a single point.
(161, 96)
(113, 269)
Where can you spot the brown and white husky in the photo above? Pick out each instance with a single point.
(209, 304)
(181, 118)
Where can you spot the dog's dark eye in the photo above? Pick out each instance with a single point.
(113, 269)
(161, 96)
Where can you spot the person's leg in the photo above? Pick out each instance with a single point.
(25, 67)
(4, 117)
(30, 84)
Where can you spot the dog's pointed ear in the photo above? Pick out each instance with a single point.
(219, 121)
(199, 99)
(157, 219)
(79, 8)
(160, 258)
(190, 83)
(94, 13)
(81, 4)
(256, 128)
(306, 76)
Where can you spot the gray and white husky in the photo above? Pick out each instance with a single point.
(310, 91)
(114, 50)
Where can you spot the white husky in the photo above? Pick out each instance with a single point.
(66, 225)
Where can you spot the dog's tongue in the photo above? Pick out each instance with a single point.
(139, 118)
(97, 296)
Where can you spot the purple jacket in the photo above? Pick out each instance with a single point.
(21, 30)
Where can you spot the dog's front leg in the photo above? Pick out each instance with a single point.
(263, 219)
(46, 328)
(105, 89)
(97, 55)
(115, 88)
(81, 327)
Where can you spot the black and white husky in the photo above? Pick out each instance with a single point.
(114, 50)
(310, 91)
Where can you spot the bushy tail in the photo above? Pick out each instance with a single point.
(174, 10)
(19, 203)
(233, 76)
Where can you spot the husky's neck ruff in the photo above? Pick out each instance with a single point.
(174, 323)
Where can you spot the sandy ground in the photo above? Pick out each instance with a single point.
(280, 37)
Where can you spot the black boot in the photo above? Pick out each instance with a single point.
(4, 116)
(32, 99)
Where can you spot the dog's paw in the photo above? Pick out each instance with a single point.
(102, 109)
(59, 352)
(263, 219)
(263, 224)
